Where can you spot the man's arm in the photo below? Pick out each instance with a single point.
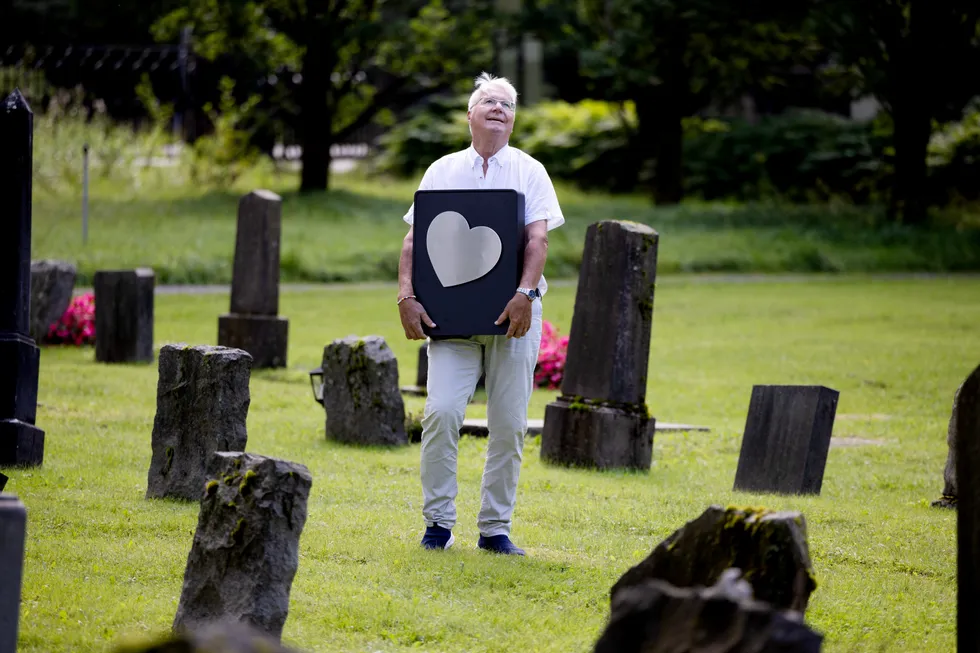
(535, 253)
(411, 312)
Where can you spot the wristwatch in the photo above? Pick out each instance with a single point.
(530, 293)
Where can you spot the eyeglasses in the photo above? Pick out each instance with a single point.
(506, 104)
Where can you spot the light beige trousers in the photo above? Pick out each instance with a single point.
(454, 368)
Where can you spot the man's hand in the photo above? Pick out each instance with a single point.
(518, 310)
(413, 315)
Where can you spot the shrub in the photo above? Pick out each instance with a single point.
(954, 158)
(550, 367)
(77, 325)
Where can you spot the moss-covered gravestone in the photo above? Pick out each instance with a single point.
(246, 549)
(253, 323)
(657, 617)
(202, 404)
(950, 492)
(52, 283)
(769, 547)
(361, 394)
(601, 419)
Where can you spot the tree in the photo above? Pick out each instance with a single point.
(673, 58)
(355, 59)
(910, 55)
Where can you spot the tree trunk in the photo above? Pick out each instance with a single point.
(668, 180)
(315, 117)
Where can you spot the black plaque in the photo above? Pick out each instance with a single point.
(460, 306)
(786, 439)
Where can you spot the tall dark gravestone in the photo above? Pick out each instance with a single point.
(124, 315)
(13, 525)
(601, 419)
(253, 324)
(967, 442)
(21, 442)
(786, 439)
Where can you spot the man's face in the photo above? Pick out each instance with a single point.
(490, 117)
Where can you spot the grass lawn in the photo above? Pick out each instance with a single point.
(105, 566)
(354, 232)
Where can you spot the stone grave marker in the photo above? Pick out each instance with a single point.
(422, 374)
(13, 525)
(770, 549)
(202, 405)
(124, 315)
(253, 324)
(601, 419)
(948, 499)
(360, 392)
(786, 439)
(52, 283)
(724, 618)
(967, 442)
(21, 442)
(3, 481)
(246, 548)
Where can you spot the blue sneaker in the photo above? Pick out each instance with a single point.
(437, 537)
(499, 544)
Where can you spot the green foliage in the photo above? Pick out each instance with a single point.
(800, 156)
(954, 157)
(222, 156)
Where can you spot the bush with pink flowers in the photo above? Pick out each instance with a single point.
(77, 325)
(551, 357)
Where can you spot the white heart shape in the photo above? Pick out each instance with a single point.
(460, 254)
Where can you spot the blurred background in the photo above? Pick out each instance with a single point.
(867, 102)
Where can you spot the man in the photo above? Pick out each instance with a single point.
(507, 360)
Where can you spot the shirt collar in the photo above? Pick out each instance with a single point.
(501, 157)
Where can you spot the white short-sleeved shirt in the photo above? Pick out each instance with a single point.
(509, 168)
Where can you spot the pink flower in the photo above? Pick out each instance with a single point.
(77, 324)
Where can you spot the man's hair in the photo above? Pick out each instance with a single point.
(486, 84)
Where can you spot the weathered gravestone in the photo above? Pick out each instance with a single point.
(948, 499)
(967, 442)
(360, 392)
(601, 419)
(52, 283)
(202, 405)
(769, 547)
(21, 442)
(656, 617)
(13, 524)
(225, 636)
(786, 439)
(124, 315)
(253, 324)
(246, 548)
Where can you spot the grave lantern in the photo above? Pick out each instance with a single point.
(316, 382)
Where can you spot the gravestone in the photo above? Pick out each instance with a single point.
(422, 374)
(948, 499)
(724, 618)
(360, 392)
(21, 442)
(13, 525)
(601, 419)
(52, 283)
(769, 547)
(246, 548)
(786, 439)
(202, 405)
(967, 443)
(124, 315)
(3, 481)
(253, 324)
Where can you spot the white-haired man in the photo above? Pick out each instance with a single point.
(507, 360)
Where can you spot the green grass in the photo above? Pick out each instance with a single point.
(104, 565)
(354, 232)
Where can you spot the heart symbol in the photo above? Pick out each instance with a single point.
(460, 254)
